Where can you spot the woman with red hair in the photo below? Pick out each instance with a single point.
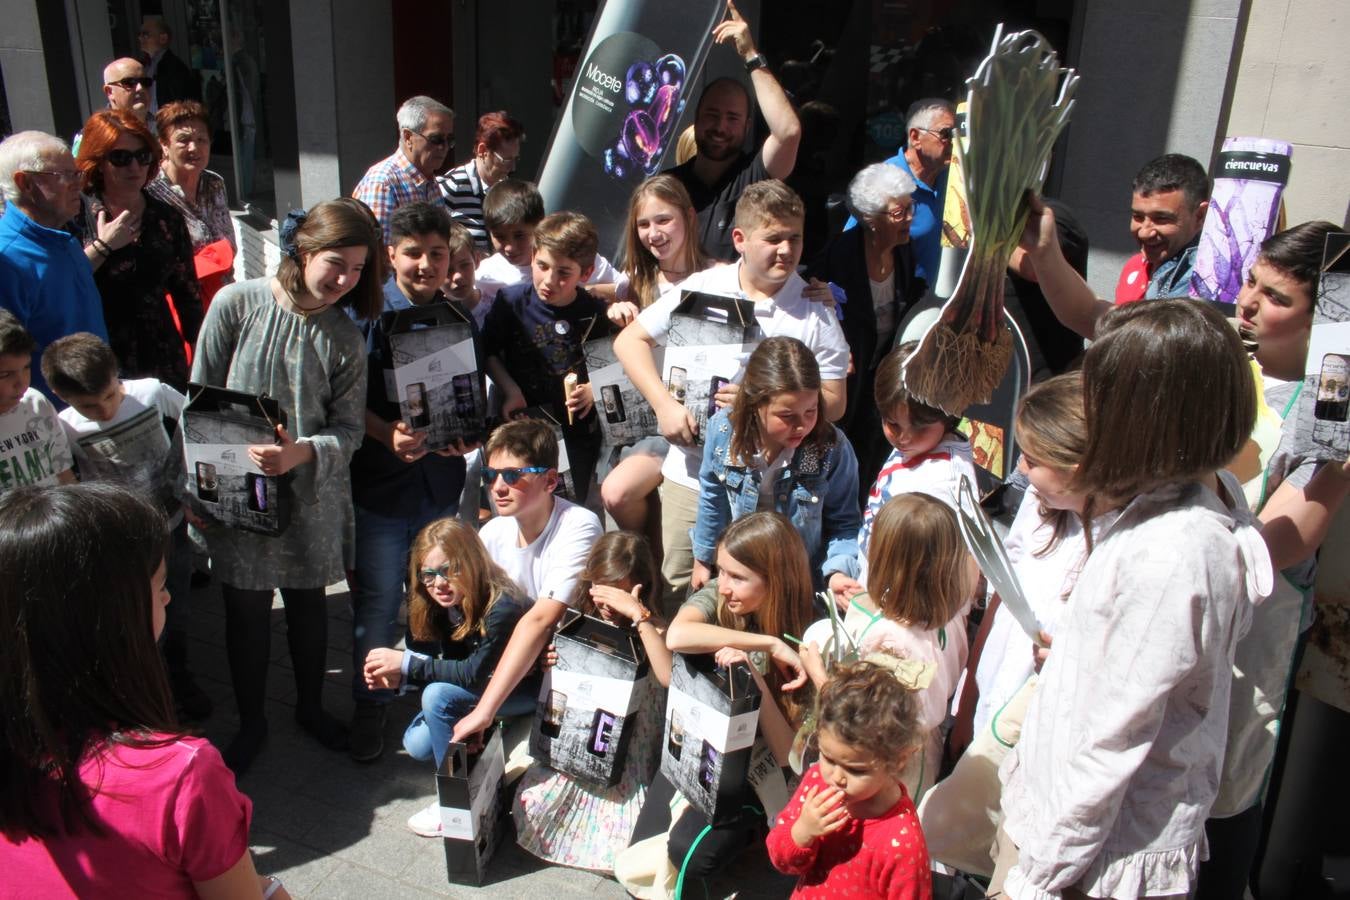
(139, 248)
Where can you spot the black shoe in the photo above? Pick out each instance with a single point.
(366, 741)
(193, 703)
(323, 728)
(245, 747)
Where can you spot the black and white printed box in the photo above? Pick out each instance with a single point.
(1322, 429)
(434, 375)
(587, 703)
(711, 717)
(554, 417)
(473, 808)
(625, 415)
(709, 339)
(219, 426)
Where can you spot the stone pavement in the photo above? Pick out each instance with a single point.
(333, 828)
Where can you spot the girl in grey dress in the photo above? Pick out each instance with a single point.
(283, 336)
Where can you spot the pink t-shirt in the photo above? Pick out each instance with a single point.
(172, 816)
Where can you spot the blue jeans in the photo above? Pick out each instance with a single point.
(444, 704)
(382, 544)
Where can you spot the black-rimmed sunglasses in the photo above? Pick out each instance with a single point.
(124, 158)
(943, 134)
(130, 84)
(436, 140)
(510, 475)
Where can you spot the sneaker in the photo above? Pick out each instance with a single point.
(426, 822)
(366, 741)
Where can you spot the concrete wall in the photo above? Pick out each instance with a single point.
(1154, 74)
(24, 62)
(1293, 83)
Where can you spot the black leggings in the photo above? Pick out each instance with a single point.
(718, 848)
(248, 643)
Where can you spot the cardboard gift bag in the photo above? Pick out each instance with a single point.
(589, 699)
(219, 426)
(711, 718)
(625, 415)
(473, 808)
(434, 374)
(710, 338)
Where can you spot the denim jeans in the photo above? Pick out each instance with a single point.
(382, 544)
(444, 704)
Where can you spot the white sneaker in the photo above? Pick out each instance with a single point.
(426, 822)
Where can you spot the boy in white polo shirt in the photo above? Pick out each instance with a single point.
(541, 541)
(768, 236)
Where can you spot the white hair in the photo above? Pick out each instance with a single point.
(26, 151)
(873, 189)
(414, 112)
(923, 112)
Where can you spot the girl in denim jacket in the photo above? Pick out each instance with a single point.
(771, 450)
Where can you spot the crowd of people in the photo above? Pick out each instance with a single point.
(1105, 755)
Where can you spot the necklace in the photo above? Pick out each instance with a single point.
(674, 275)
(302, 311)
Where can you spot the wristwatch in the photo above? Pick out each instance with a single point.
(644, 616)
(756, 62)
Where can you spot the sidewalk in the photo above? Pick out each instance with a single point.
(333, 828)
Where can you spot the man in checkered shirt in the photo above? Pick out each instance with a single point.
(425, 138)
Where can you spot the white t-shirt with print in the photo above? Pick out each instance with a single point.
(33, 446)
(786, 314)
(134, 447)
(549, 565)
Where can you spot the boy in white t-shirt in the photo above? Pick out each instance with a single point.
(33, 447)
(126, 432)
(930, 456)
(768, 235)
(511, 210)
(541, 541)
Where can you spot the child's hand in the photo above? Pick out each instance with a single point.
(730, 656)
(1040, 654)
(676, 423)
(814, 663)
(580, 401)
(788, 663)
(844, 589)
(823, 812)
(513, 402)
(459, 448)
(384, 668)
(278, 459)
(405, 443)
(726, 394)
(818, 291)
(549, 658)
(621, 603)
(621, 312)
(469, 729)
(700, 576)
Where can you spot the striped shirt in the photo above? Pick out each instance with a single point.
(463, 192)
(390, 183)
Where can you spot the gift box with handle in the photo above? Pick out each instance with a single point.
(224, 484)
(473, 808)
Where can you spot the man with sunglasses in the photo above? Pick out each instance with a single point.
(542, 542)
(126, 86)
(426, 129)
(45, 279)
(496, 151)
(926, 156)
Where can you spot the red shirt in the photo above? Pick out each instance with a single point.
(1133, 282)
(171, 816)
(885, 857)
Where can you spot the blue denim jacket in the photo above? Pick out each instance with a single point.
(817, 490)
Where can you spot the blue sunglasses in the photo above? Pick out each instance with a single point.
(511, 475)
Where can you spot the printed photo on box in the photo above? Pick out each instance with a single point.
(1323, 408)
(219, 426)
(709, 340)
(585, 717)
(435, 377)
(625, 415)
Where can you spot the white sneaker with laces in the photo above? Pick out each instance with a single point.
(426, 822)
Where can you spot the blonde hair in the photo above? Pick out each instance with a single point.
(918, 568)
(765, 201)
(1051, 428)
(481, 580)
(638, 263)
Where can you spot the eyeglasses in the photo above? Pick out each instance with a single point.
(435, 140)
(943, 134)
(505, 160)
(124, 158)
(903, 214)
(65, 176)
(131, 84)
(428, 576)
(511, 475)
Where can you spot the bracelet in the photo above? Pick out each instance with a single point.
(101, 247)
(645, 616)
(272, 887)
